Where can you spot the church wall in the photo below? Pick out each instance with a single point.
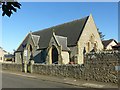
(18, 57)
(65, 57)
(73, 53)
(37, 57)
(89, 30)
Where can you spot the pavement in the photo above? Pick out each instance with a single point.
(70, 81)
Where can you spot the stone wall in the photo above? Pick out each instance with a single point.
(101, 66)
(58, 70)
(98, 67)
(12, 66)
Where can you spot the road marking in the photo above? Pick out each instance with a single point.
(93, 85)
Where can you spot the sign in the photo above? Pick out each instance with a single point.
(117, 68)
(25, 52)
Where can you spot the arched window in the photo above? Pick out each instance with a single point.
(88, 46)
(95, 46)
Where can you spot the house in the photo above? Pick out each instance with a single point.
(2, 53)
(108, 44)
(116, 47)
(9, 58)
(61, 44)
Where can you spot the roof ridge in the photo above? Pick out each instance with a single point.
(60, 24)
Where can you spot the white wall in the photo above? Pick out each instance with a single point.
(2, 53)
(109, 47)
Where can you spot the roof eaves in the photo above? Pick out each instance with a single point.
(66, 50)
(116, 42)
(54, 36)
(22, 41)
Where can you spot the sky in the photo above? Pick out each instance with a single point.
(34, 16)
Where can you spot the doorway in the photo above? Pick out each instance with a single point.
(54, 55)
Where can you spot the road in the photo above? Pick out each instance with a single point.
(17, 81)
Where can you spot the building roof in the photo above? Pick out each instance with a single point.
(23, 44)
(63, 42)
(72, 30)
(107, 42)
(8, 56)
(3, 50)
(35, 39)
(117, 46)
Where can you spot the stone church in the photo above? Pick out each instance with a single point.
(61, 44)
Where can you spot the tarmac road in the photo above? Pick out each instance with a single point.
(28, 81)
(16, 81)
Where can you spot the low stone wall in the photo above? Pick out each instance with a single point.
(73, 71)
(101, 66)
(12, 66)
(98, 67)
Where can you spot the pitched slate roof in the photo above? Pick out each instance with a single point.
(35, 39)
(23, 44)
(3, 49)
(8, 56)
(107, 42)
(63, 42)
(72, 30)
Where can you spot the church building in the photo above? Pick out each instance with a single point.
(61, 44)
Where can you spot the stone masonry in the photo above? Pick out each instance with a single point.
(97, 67)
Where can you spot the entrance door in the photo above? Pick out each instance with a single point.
(54, 55)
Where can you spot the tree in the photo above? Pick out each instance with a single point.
(9, 6)
(101, 35)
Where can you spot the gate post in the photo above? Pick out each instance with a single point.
(25, 66)
(22, 67)
(31, 66)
